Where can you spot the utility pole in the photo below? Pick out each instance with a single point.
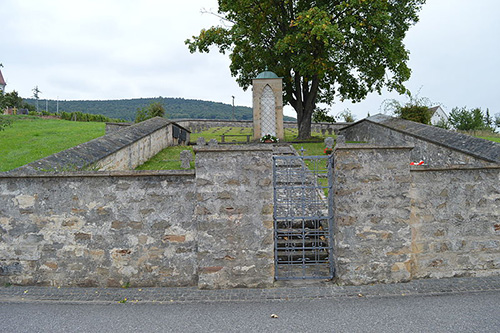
(234, 117)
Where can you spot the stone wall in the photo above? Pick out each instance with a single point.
(199, 125)
(234, 216)
(395, 223)
(113, 127)
(210, 227)
(103, 229)
(455, 222)
(371, 211)
(433, 145)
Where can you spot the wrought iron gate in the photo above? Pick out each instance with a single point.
(303, 216)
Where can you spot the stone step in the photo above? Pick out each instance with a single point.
(298, 272)
(307, 256)
(299, 242)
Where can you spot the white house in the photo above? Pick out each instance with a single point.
(437, 115)
(2, 82)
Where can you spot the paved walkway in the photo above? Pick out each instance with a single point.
(287, 291)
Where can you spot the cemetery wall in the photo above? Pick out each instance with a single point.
(98, 229)
(394, 223)
(210, 227)
(455, 222)
(234, 216)
(435, 146)
(199, 125)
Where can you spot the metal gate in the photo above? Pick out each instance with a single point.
(303, 216)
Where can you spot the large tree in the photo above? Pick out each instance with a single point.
(323, 49)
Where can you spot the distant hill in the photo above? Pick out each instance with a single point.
(176, 108)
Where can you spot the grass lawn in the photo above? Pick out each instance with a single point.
(217, 132)
(490, 138)
(167, 159)
(32, 138)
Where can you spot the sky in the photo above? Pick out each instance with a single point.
(121, 49)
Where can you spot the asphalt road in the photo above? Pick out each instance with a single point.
(467, 312)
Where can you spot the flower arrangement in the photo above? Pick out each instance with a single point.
(269, 138)
(328, 151)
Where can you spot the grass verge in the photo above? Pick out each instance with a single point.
(31, 138)
(167, 159)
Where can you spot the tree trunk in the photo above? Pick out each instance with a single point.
(305, 105)
(304, 125)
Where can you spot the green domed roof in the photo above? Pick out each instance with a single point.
(267, 75)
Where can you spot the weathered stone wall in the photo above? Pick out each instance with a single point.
(455, 222)
(138, 152)
(199, 125)
(113, 127)
(210, 227)
(371, 212)
(234, 216)
(98, 229)
(435, 146)
(394, 222)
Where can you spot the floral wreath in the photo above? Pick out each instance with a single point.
(269, 137)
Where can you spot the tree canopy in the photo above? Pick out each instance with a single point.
(324, 49)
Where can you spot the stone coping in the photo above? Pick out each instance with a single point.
(455, 167)
(233, 148)
(251, 121)
(351, 146)
(479, 148)
(90, 174)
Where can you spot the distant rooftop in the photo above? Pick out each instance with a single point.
(2, 81)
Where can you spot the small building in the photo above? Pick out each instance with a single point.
(268, 105)
(2, 82)
(438, 115)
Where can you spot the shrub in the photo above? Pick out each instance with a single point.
(468, 120)
(153, 110)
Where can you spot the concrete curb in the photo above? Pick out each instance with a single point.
(310, 291)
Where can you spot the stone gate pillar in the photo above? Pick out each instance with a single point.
(267, 105)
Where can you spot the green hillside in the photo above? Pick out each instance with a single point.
(176, 108)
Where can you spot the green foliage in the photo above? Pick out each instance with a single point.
(323, 49)
(346, 116)
(468, 120)
(153, 110)
(79, 116)
(415, 109)
(489, 122)
(36, 95)
(4, 122)
(13, 100)
(321, 115)
(419, 114)
(444, 124)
